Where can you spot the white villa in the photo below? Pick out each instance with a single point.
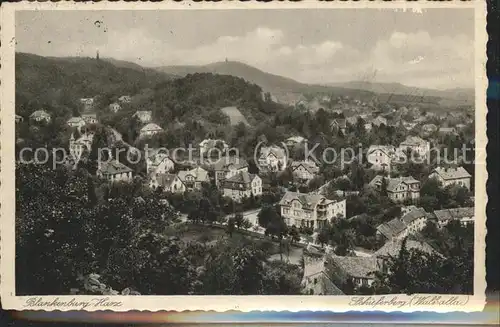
(272, 158)
(415, 144)
(168, 182)
(464, 215)
(144, 116)
(193, 178)
(304, 170)
(40, 115)
(242, 185)
(115, 107)
(227, 167)
(150, 130)
(90, 118)
(310, 210)
(158, 162)
(77, 122)
(399, 188)
(452, 176)
(381, 156)
(114, 171)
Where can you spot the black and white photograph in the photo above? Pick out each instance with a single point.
(325, 152)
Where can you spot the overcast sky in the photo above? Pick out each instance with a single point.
(430, 49)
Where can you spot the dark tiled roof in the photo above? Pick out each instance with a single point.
(309, 166)
(230, 162)
(414, 215)
(452, 173)
(391, 228)
(239, 181)
(308, 200)
(359, 267)
(392, 248)
(455, 213)
(113, 167)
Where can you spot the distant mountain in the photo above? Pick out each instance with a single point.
(290, 91)
(283, 88)
(457, 94)
(81, 77)
(57, 84)
(238, 69)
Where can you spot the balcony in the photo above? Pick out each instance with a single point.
(321, 208)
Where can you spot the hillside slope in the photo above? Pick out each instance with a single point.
(41, 81)
(287, 90)
(284, 89)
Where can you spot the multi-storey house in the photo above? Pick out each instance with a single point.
(310, 210)
(452, 176)
(242, 185)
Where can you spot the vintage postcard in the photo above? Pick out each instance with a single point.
(243, 156)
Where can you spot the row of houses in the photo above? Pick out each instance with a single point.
(330, 274)
(414, 219)
(403, 188)
(381, 157)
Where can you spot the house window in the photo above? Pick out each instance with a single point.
(315, 281)
(364, 282)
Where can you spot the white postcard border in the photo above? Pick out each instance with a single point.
(9, 300)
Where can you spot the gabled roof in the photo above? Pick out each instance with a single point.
(310, 166)
(389, 150)
(413, 141)
(165, 180)
(358, 267)
(239, 181)
(39, 114)
(75, 120)
(241, 177)
(413, 215)
(93, 115)
(113, 167)
(315, 270)
(451, 173)
(224, 163)
(391, 228)
(272, 150)
(143, 113)
(392, 248)
(200, 174)
(455, 213)
(394, 182)
(308, 200)
(151, 127)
